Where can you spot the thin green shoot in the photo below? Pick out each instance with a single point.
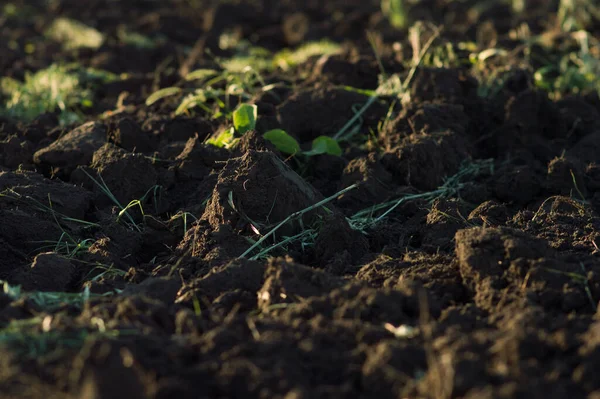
(306, 236)
(451, 186)
(372, 38)
(579, 278)
(577, 186)
(184, 216)
(104, 188)
(296, 216)
(27, 199)
(66, 245)
(383, 89)
(106, 271)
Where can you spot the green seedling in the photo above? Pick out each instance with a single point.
(572, 72)
(162, 93)
(244, 120)
(443, 56)
(138, 203)
(260, 59)
(214, 98)
(283, 141)
(288, 145)
(104, 188)
(581, 195)
(395, 12)
(124, 210)
(184, 217)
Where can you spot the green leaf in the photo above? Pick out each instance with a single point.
(162, 93)
(325, 145)
(395, 11)
(190, 101)
(244, 118)
(200, 74)
(283, 141)
(223, 139)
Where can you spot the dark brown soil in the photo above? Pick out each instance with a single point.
(144, 231)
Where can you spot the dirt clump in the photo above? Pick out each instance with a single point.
(422, 161)
(75, 148)
(49, 272)
(127, 176)
(288, 282)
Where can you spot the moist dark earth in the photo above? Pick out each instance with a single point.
(486, 290)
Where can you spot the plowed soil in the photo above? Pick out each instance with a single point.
(127, 240)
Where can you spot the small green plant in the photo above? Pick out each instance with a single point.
(50, 301)
(391, 86)
(239, 77)
(575, 73)
(73, 34)
(184, 217)
(244, 120)
(287, 59)
(67, 89)
(288, 145)
(260, 59)
(66, 245)
(135, 39)
(124, 210)
(395, 12)
(215, 97)
(50, 89)
(282, 141)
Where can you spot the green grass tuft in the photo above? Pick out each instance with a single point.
(48, 90)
